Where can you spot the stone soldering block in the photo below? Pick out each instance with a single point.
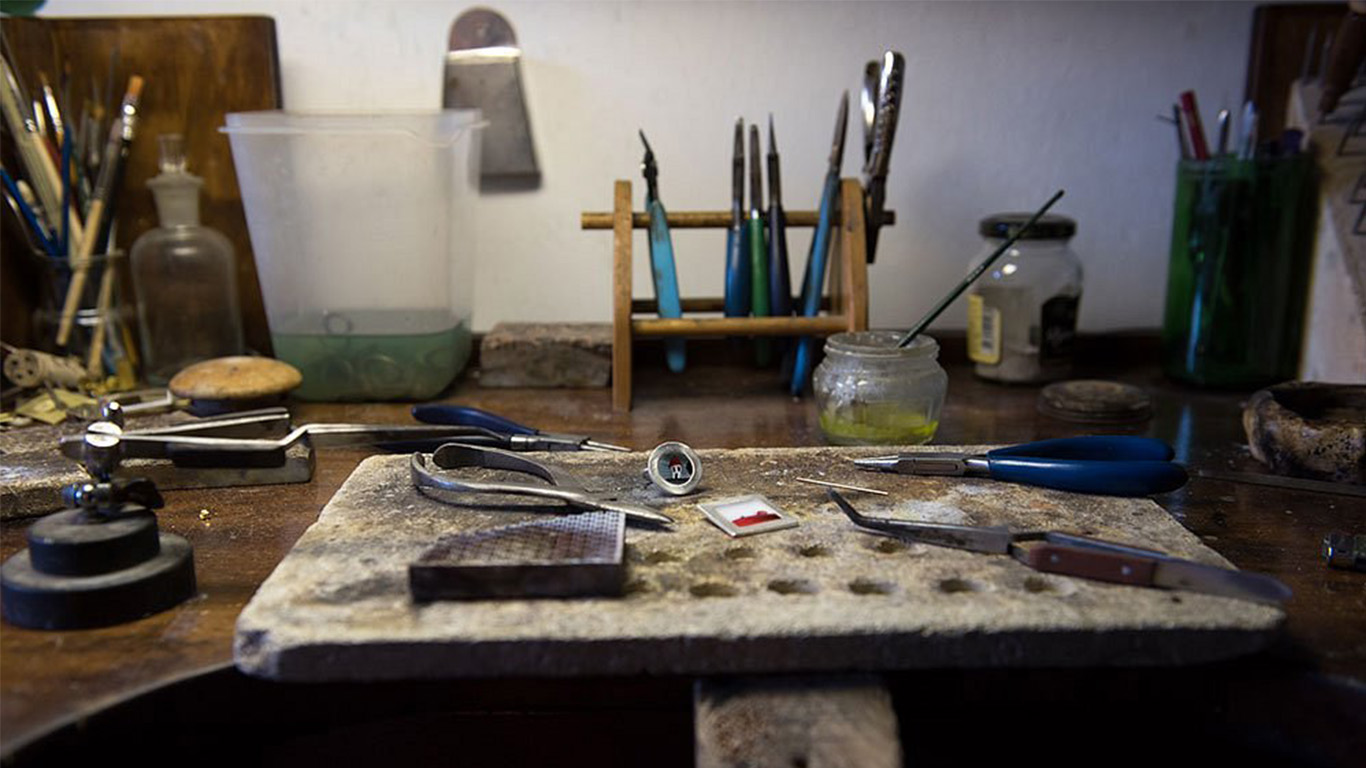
(546, 355)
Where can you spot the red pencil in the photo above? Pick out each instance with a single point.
(1197, 133)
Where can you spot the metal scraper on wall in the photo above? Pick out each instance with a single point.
(483, 71)
(576, 555)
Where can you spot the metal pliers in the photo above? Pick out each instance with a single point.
(1073, 555)
(563, 486)
(1108, 465)
(469, 416)
(263, 439)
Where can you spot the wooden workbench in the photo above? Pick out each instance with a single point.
(168, 678)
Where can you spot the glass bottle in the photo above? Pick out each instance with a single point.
(869, 391)
(185, 276)
(1022, 313)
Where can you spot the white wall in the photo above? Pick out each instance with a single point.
(1005, 103)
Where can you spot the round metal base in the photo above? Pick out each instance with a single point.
(31, 598)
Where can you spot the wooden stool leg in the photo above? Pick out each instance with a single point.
(817, 722)
(621, 299)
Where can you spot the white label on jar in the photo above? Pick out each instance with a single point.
(984, 331)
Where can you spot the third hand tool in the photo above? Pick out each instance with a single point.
(758, 251)
(880, 156)
(1073, 555)
(737, 266)
(1111, 465)
(469, 416)
(813, 284)
(662, 259)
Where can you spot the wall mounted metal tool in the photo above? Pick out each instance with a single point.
(484, 71)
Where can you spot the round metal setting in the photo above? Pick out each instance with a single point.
(674, 468)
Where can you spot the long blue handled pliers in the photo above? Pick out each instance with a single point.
(469, 416)
(1110, 465)
(662, 259)
(813, 284)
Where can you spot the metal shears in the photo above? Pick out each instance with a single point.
(469, 416)
(563, 486)
(878, 146)
(1073, 555)
(1111, 465)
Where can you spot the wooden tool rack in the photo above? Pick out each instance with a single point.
(846, 303)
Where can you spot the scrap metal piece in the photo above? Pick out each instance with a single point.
(483, 71)
(747, 515)
(573, 556)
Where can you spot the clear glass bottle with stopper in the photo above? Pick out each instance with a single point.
(185, 276)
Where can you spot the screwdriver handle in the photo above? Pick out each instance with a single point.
(1093, 447)
(1107, 478)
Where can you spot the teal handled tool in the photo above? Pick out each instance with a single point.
(737, 265)
(1109, 465)
(779, 282)
(813, 284)
(1073, 555)
(662, 259)
(758, 250)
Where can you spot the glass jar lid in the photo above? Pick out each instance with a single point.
(1050, 226)
(881, 344)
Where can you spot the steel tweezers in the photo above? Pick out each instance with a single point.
(1073, 555)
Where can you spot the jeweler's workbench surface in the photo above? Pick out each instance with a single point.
(823, 596)
(175, 667)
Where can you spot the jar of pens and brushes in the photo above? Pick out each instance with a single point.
(1240, 261)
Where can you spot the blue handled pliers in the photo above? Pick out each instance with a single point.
(1110, 465)
(469, 416)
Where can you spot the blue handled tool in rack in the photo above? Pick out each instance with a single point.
(813, 284)
(662, 259)
(1111, 465)
(737, 263)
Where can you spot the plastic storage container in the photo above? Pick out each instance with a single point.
(362, 227)
(1022, 314)
(869, 391)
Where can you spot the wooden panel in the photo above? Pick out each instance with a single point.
(854, 256)
(705, 219)
(1282, 36)
(740, 326)
(621, 298)
(196, 70)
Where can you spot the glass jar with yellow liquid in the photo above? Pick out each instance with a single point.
(869, 391)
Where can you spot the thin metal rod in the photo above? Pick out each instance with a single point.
(842, 486)
(976, 273)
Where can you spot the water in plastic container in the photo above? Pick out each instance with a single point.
(362, 230)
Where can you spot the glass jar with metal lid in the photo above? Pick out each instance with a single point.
(869, 391)
(1022, 314)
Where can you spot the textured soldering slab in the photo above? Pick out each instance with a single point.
(821, 596)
